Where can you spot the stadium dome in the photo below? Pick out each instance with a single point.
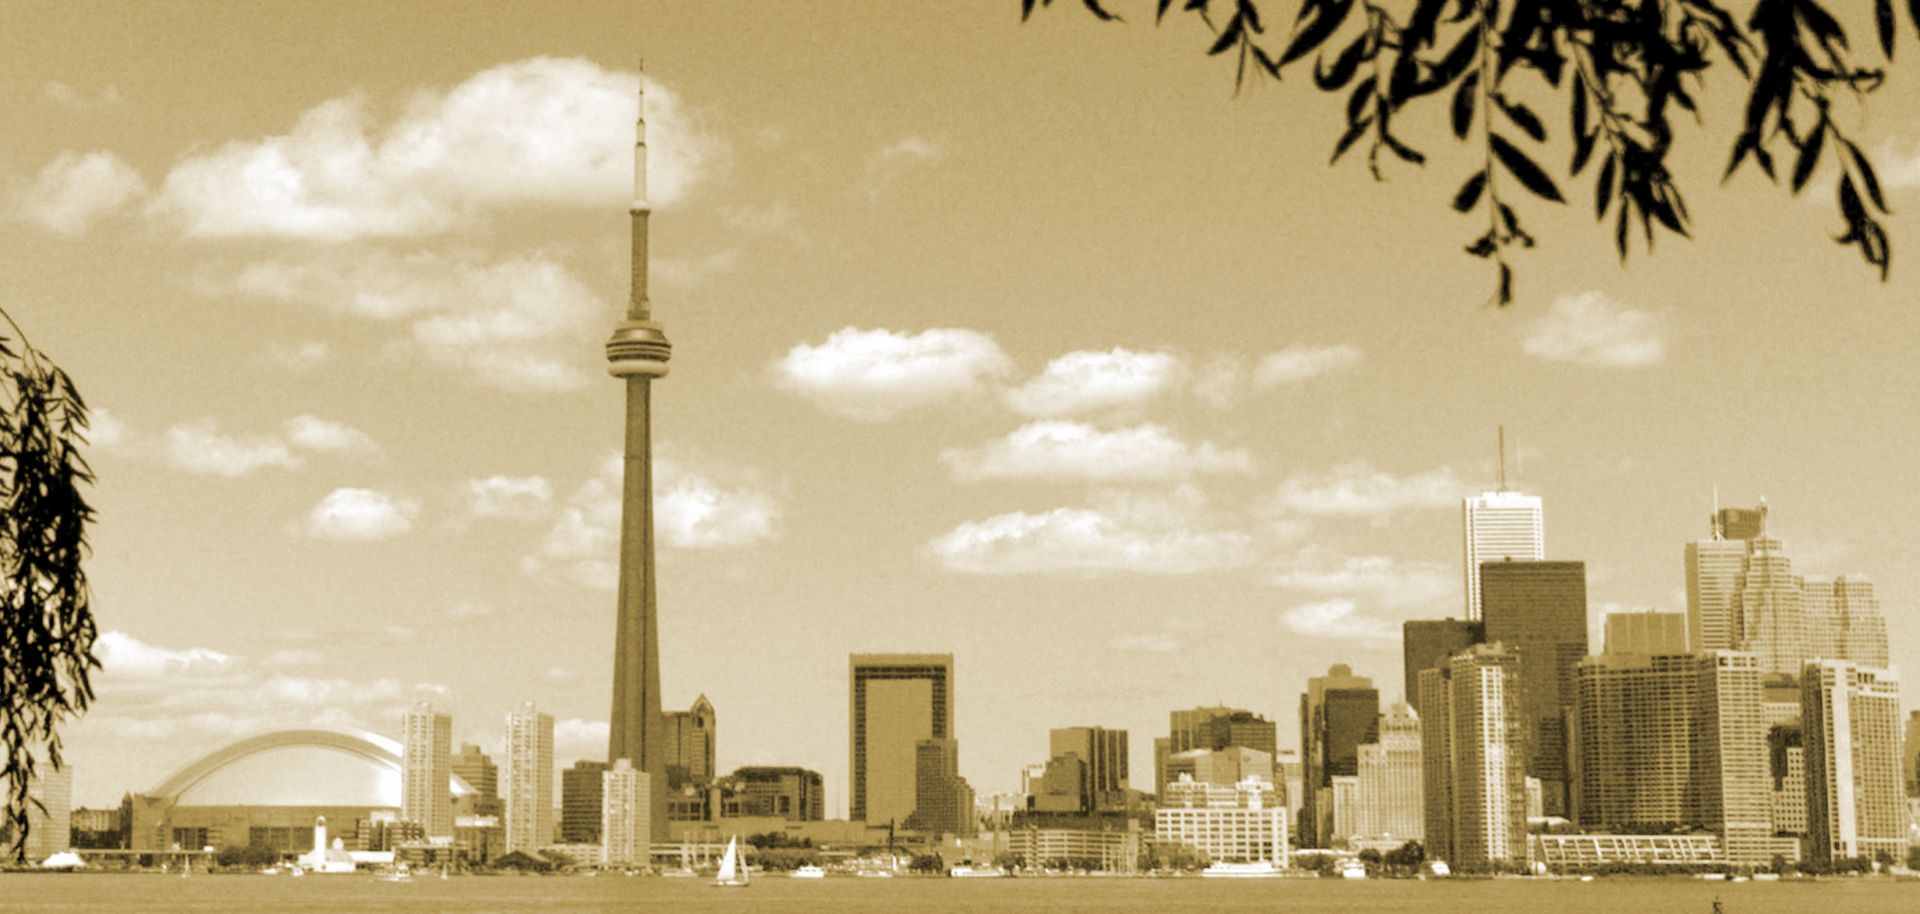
(308, 767)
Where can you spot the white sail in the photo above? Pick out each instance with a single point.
(729, 862)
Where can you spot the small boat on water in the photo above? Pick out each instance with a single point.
(809, 872)
(1353, 869)
(733, 873)
(874, 874)
(681, 873)
(1259, 869)
(976, 872)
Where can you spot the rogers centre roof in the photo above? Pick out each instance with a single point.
(305, 767)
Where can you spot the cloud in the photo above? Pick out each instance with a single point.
(1218, 380)
(515, 324)
(893, 160)
(1359, 490)
(200, 447)
(1301, 362)
(75, 189)
(711, 506)
(337, 175)
(1142, 535)
(1071, 450)
(106, 429)
(777, 218)
(1084, 382)
(1592, 329)
(312, 433)
(1899, 166)
(512, 497)
(360, 515)
(1380, 579)
(689, 271)
(175, 702)
(574, 738)
(74, 99)
(876, 375)
(298, 357)
(1339, 620)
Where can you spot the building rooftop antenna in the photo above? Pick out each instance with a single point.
(1503, 458)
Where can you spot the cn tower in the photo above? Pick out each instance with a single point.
(637, 354)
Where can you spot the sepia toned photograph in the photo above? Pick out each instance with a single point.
(1005, 456)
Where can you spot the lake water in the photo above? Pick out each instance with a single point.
(505, 894)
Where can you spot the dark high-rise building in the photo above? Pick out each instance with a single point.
(1427, 643)
(1244, 729)
(1338, 712)
(580, 807)
(897, 700)
(1910, 754)
(1103, 754)
(690, 745)
(945, 801)
(1186, 730)
(794, 794)
(1539, 611)
(477, 769)
(1740, 523)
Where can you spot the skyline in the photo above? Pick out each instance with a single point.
(811, 492)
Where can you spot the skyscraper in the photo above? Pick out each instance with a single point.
(477, 769)
(1713, 593)
(1856, 806)
(1186, 730)
(943, 799)
(1477, 765)
(637, 354)
(49, 812)
(1539, 611)
(1676, 741)
(1338, 712)
(896, 700)
(690, 737)
(1498, 526)
(1910, 754)
(529, 777)
(1103, 752)
(1426, 643)
(427, 769)
(1389, 801)
(1772, 623)
(625, 834)
(1645, 633)
(1861, 630)
(1740, 523)
(581, 806)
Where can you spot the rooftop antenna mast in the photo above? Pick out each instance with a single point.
(1503, 458)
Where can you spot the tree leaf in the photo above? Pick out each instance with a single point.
(1809, 155)
(1522, 117)
(1457, 60)
(1523, 168)
(1331, 14)
(1867, 177)
(1354, 130)
(1883, 22)
(1357, 102)
(1470, 191)
(1603, 189)
(1343, 66)
(1463, 103)
(1229, 36)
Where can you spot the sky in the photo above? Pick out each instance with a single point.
(1030, 343)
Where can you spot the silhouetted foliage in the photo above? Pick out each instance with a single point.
(1623, 68)
(927, 863)
(46, 616)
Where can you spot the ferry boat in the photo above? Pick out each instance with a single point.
(1353, 869)
(1259, 869)
(809, 872)
(976, 872)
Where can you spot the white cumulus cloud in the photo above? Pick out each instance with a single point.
(697, 504)
(1340, 620)
(200, 447)
(338, 175)
(1121, 535)
(1301, 362)
(1592, 329)
(360, 515)
(513, 497)
(75, 189)
(875, 375)
(1085, 382)
(312, 433)
(1072, 450)
(894, 159)
(1359, 490)
(1380, 579)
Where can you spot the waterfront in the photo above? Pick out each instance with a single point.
(75, 894)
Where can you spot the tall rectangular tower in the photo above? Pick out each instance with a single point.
(477, 769)
(427, 770)
(581, 805)
(626, 837)
(1485, 752)
(529, 777)
(1772, 619)
(1104, 783)
(1498, 526)
(1390, 790)
(896, 700)
(1856, 806)
(690, 739)
(1427, 643)
(1338, 712)
(1539, 611)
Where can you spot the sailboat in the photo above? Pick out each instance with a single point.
(733, 870)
